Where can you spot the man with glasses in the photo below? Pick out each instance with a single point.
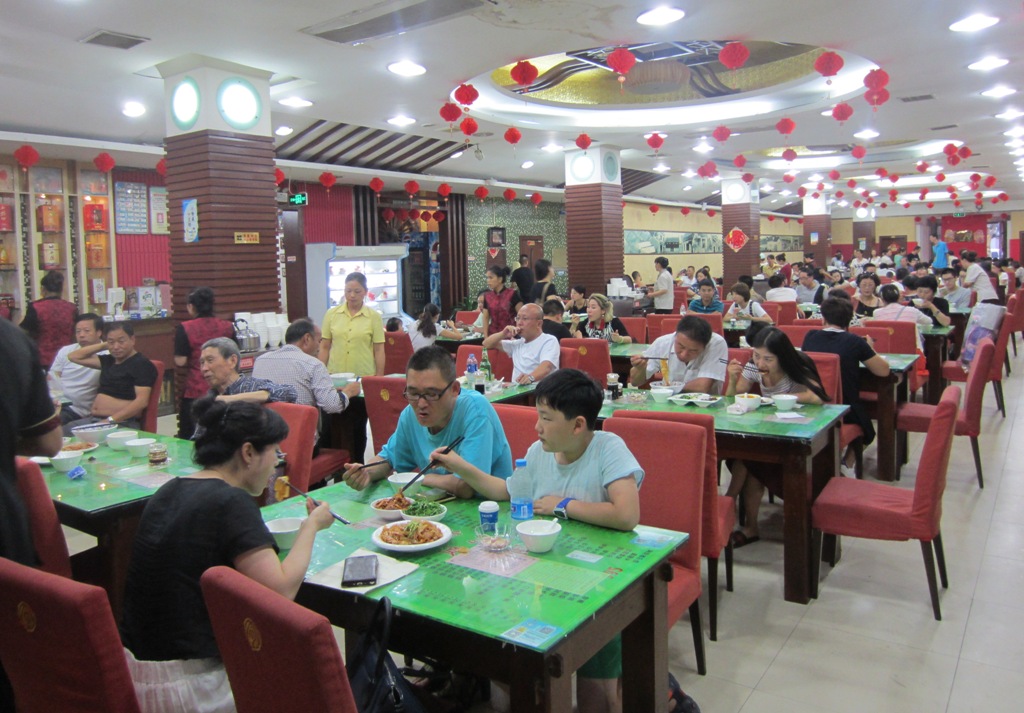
(439, 411)
(951, 290)
(536, 354)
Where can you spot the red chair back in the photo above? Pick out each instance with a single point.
(149, 416)
(772, 308)
(828, 370)
(462, 356)
(47, 535)
(568, 358)
(660, 324)
(978, 372)
(797, 332)
(930, 482)
(298, 445)
(384, 404)
(59, 644)
(679, 299)
(467, 317)
(813, 322)
(881, 338)
(851, 290)
(278, 655)
(787, 313)
(397, 351)
(1003, 339)
(715, 320)
(637, 328)
(594, 358)
(741, 354)
(902, 335)
(520, 426)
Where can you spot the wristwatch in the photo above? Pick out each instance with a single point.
(531, 378)
(560, 511)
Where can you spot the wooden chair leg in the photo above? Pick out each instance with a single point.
(929, 570)
(713, 598)
(998, 387)
(977, 460)
(858, 454)
(728, 567)
(1006, 362)
(1013, 338)
(940, 559)
(815, 561)
(698, 637)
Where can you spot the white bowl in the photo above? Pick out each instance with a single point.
(397, 480)
(785, 402)
(432, 518)
(285, 530)
(386, 514)
(749, 402)
(342, 379)
(538, 535)
(139, 447)
(660, 394)
(117, 439)
(94, 432)
(66, 460)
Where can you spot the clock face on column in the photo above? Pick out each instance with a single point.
(610, 166)
(239, 103)
(185, 104)
(735, 193)
(582, 167)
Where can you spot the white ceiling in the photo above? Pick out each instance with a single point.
(53, 86)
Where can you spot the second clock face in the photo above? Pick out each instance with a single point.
(239, 103)
(185, 104)
(611, 167)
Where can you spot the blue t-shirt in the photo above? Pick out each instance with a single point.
(486, 447)
(698, 305)
(940, 255)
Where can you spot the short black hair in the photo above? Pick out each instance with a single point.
(553, 307)
(356, 277)
(97, 321)
(695, 328)
(950, 271)
(928, 282)
(541, 269)
(706, 283)
(433, 357)
(901, 273)
(201, 299)
(582, 289)
(394, 324)
(753, 328)
(225, 426)
(572, 393)
(911, 282)
(775, 281)
(746, 280)
(53, 282)
(663, 261)
(125, 327)
(780, 256)
(869, 276)
(890, 294)
(837, 312)
(807, 270)
(299, 329)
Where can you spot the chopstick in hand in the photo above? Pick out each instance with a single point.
(316, 502)
(431, 464)
(370, 465)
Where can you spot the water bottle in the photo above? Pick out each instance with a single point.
(520, 492)
(471, 370)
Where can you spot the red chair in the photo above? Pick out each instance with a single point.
(47, 535)
(715, 320)
(672, 456)
(797, 332)
(787, 313)
(149, 416)
(278, 655)
(303, 469)
(813, 322)
(637, 328)
(881, 338)
(384, 404)
(59, 644)
(829, 371)
(679, 299)
(903, 340)
(520, 426)
(660, 324)
(862, 508)
(741, 354)
(849, 289)
(501, 363)
(953, 371)
(719, 511)
(568, 358)
(594, 358)
(726, 306)
(397, 351)
(772, 308)
(467, 317)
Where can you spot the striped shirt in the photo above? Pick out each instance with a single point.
(290, 366)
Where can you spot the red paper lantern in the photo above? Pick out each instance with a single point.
(740, 161)
(940, 177)
(949, 149)
(917, 219)
(402, 215)
(922, 166)
(412, 188)
(894, 177)
(851, 183)
(439, 216)
(876, 79)
(834, 175)
(953, 160)
(468, 126)
(684, 210)
(387, 214)
(975, 178)
(655, 141)
(161, 167)
(710, 169)
(104, 162)
(828, 65)
(876, 97)
(450, 112)
(956, 203)
(882, 172)
(1004, 197)
(444, 190)
(785, 220)
(466, 94)
(327, 179)
(859, 152)
(653, 208)
(414, 214)
(990, 181)
(800, 221)
(509, 194)
(621, 61)
(26, 156)
(734, 55)
(524, 73)
(788, 178)
(801, 191)
(785, 126)
(789, 155)
(583, 141)
(721, 134)
(964, 152)
(748, 178)
(820, 186)
(771, 218)
(841, 112)
(376, 185)
(1004, 216)
(839, 194)
(815, 195)
(930, 204)
(481, 192)
(712, 213)
(536, 198)
(513, 135)
(278, 174)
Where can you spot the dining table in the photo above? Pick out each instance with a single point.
(936, 350)
(890, 391)
(452, 345)
(528, 620)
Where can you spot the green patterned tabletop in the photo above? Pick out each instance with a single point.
(900, 362)
(736, 325)
(627, 350)
(114, 477)
(468, 337)
(534, 600)
(509, 392)
(959, 310)
(936, 331)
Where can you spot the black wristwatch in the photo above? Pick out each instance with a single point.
(560, 509)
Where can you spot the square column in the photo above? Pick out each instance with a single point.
(593, 216)
(741, 213)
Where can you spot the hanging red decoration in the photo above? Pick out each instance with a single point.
(930, 204)
(953, 160)
(583, 142)
(387, 214)
(412, 188)
(740, 161)
(509, 194)
(468, 126)
(1004, 216)
(917, 219)
(684, 210)
(26, 156)
(990, 181)
(815, 195)
(834, 175)
(922, 166)
(876, 79)
(402, 215)
(655, 141)
(841, 112)
(376, 185)
(444, 190)
(801, 191)
(771, 218)
(466, 94)
(800, 221)
(621, 61)
(278, 174)
(161, 168)
(734, 55)
(785, 126)
(940, 177)
(414, 214)
(748, 178)
(964, 152)
(882, 172)
(481, 192)
(524, 73)
(788, 178)
(789, 155)
(1004, 196)
(876, 97)
(949, 149)
(712, 213)
(956, 203)
(654, 209)
(820, 186)
(851, 183)
(894, 177)
(513, 135)
(975, 178)
(439, 216)
(450, 112)
(721, 134)
(104, 162)
(839, 194)
(859, 152)
(536, 198)
(828, 65)
(327, 179)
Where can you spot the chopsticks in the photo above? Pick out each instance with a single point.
(316, 502)
(370, 465)
(429, 465)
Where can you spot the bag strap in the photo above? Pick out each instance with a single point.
(378, 634)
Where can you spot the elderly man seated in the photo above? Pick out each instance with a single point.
(536, 354)
(693, 355)
(218, 362)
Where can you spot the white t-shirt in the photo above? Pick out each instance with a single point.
(753, 309)
(527, 356)
(780, 294)
(419, 340)
(711, 364)
(79, 383)
(857, 266)
(980, 283)
(664, 282)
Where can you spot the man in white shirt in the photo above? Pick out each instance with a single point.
(78, 383)
(693, 354)
(535, 355)
(777, 292)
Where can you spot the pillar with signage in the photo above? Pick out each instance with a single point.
(818, 229)
(741, 230)
(593, 216)
(220, 184)
(864, 230)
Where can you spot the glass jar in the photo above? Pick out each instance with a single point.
(158, 454)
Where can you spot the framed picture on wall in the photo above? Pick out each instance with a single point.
(495, 237)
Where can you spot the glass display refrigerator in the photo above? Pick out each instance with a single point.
(328, 264)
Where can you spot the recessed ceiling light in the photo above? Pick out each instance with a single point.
(815, 177)
(688, 173)
(456, 154)
(660, 168)
(284, 130)
(998, 92)
(133, 109)
(295, 102)
(973, 23)
(1010, 114)
(785, 192)
(827, 112)
(1017, 152)
(405, 68)
(527, 164)
(1015, 143)
(401, 120)
(687, 188)
(552, 147)
(661, 16)
(842, 203)
(767, 187)
(934, 168)
(703, 146)
(867, 134)
(1015, 133)
(988, 63)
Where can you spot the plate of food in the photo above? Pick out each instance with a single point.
(676, 386)
(702, 400)
(767, 401)
(410, 536)
(82, 446)
(391, 508)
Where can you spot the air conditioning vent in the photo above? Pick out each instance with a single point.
(945, 128)
(116, 40)
(377, 22)
(918, 98)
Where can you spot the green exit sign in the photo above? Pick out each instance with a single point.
(959, 215)
(298, 199)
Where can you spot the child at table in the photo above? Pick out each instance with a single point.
(776, 368)
(577, 473)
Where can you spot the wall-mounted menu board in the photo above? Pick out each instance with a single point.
(131, 208)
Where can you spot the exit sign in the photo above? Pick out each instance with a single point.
(298, 199)
(959, 215)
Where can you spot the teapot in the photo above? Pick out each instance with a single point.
(248, 339)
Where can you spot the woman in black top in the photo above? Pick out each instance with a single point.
(866, 301)
(577, 300)
(935, 307)
(601, 322)
(543, 287)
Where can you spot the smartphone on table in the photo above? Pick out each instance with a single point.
(359, 571)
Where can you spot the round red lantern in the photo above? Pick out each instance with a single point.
(161, 168)
(450, 112)
(851, 183)
(834, 175)
(621, 61)
(990, 181)
(653, 208)
(684, 210)
(327, 179)
(524, 73)
(771, 218)
(788, 178)
(466, 94)
(964, 152)
(785, 126)
(655, 141)
(26, 156)
(513, 135)
(734, 55)
(402, 215)
(949, 149)
(789, 155)
(439, 216)
(712, 213)
(839, 194)
(748, 178)
(841, 112)
(721, 134)
(940, 177)
(468, 126)
(509, 194)
(876, 79)
(278, 175)
(376, 185)
(481, 192)
(444, 190)
(922, 166)
(740, 161)
(414, 214)
(859, 152)
(876, 97)
(828, 65)
(583, 142)
(103, 162)
(412, 188)
(930, 204)
(536, 198)
(387, 214)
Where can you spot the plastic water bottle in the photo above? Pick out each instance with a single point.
(472, 367)
(520, 492)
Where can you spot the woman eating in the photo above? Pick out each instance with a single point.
(195, 522)
(865, 302)
(577, 300)
(502, 303)
(426, 332)
(601, 322)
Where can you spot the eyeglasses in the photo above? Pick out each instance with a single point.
(281, 459)
(525, 319)
(430, 396)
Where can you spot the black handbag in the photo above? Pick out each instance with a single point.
(378, 685)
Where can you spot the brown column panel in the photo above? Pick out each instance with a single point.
(864, 229)
(745, 261)
(822, 225)
(232, 178)
(364, 216)
(594, 233)
(453, 251)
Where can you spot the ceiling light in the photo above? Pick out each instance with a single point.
(456, 154)
(715, 179)
(660, 168)
(767, 187)
(785, 192)
(687, 188)
(988, 63)
(1019, 162)
(552, 147)
(688, 173)
(867, 134)
(1015, 143)
(478, 153)
(973, 23)
(815, 177)
(1017, 152)
(295, 102)
(527, 164)
(133, 109)
(934, 168)
(1010, 114)
(1015, 132)
(661, 16)
(284, 130)
(401, 120)
(703, 146)
(873, 194)
(405, 68)
(827, 112)
(998, 92)
(842, 203)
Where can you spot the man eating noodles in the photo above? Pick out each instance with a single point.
(693, 355)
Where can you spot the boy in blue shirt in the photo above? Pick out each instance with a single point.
(708, 301)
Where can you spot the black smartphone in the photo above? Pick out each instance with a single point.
(359, 571)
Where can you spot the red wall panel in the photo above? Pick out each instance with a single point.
(329, 216)
(140, 256)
